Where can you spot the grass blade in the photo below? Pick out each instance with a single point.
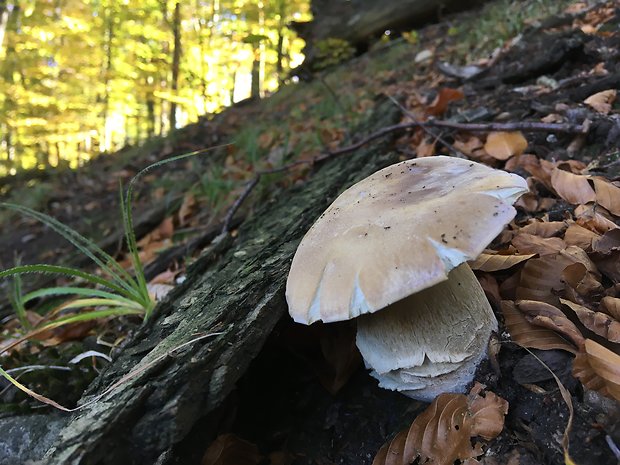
(98, 302)
(31, 393)
(73, 272)
(54, 291)
(84, 245)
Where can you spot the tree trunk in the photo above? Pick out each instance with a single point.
(255, 89)
(235, 294)
(107, 70)
(357, 21)
(176, 60)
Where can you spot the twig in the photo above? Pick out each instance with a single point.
(528, 126)
(235, 206)
(437, 137)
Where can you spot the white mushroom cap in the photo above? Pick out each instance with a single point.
(397, 232)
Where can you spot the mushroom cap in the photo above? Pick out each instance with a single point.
(397, 232)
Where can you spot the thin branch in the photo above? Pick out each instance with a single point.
(437, 137)
(249, 187)
(527, 126)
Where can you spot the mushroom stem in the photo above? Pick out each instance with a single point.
(432, 341)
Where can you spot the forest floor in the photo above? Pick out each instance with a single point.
(307, 399)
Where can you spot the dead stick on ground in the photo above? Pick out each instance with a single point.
(437, 137)
(527, 126)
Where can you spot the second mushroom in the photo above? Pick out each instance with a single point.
(393, 251)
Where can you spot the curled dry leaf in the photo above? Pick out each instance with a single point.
(606, 254)
(598, 368)
(471, 147)
(611, 306)
(573, 188)
(591, 217)
(491, 288)
(579, 236)
(530, 244)
(607, 243)
(496, 262)
(607, 195)
(528, 335)
(544, 228)
(602, 101)
(443, 99)
(539, 169)
(441, 434)
(548, 316)
(599, 323)
(583, 276)
(541, 278)
(503, 145)
(581, 280)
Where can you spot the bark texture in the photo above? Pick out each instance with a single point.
(236, 289)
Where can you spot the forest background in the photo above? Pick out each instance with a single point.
(79, 78)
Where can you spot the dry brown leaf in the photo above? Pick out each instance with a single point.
(597, 322)
(187, 209)
(606, 254)
(61, 334)
(528, 335)
(528, 202)
(581, 280)
(441, 434)
(572, 165)
(426, 147)
(469, 147)
(578, 255)
(539, 169)
(530, 244)
(541, 278)
(551, 317)
(579, 236)
(544, 228)
(573, 188)
(496, 262)
(591, 217)
(608, 243)
(602, 101)
(443, 99)
(611, 306)
(228, 449)
(491, 288)
(503, 145)
(508, 288)
(607, 195)
(598, 368)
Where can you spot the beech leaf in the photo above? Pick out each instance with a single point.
(574, 188)
(503, 145)
(599, 323)
(598, 368)
(607, 195)
(496, 262)
(602, 101)
(529, 335)
(442, 433)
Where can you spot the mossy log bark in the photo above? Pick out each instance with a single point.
(236, 289)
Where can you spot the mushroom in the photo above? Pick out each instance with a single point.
(393, 251)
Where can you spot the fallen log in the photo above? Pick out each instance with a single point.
(184, 361)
